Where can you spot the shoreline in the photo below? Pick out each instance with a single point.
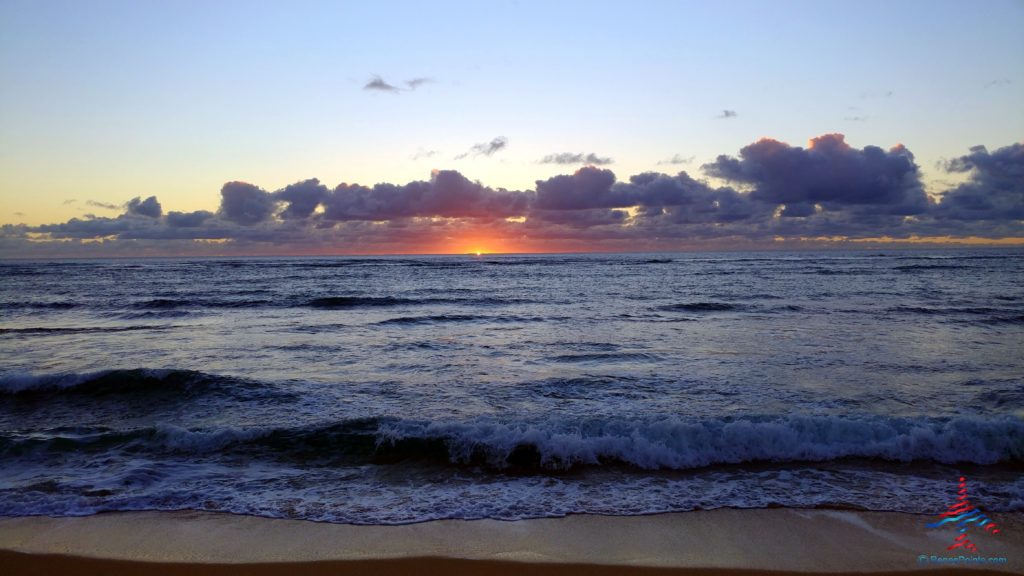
(27, 564)
(723, 541)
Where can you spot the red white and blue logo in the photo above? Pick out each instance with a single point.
(963, 516)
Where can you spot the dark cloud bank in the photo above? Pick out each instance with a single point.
(771, 190)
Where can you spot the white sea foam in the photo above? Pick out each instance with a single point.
(677, 443)
(201, 441)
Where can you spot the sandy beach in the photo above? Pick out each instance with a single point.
(720, 541)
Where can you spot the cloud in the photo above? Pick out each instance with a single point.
(485, 148)
(302, 198)
(448, 194)
(377, 83)
(994, 189)
(587, 188)
(245, 204)
(103, 205)
(727, 114)
(686, 200)
(123, 226)
(677, 159)
(70, 201)
(581, 218)
(998, 83)
(19, 213)
(828, 189)
(149, 207)
(828, 172)
(679, 198)
(380, 85)
(575, 158)
(417, 82)
(424, 154)
(855, 118)
(188, 219)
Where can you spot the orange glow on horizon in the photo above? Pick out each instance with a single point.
(913, 239)
(968, 240)
(482, 241)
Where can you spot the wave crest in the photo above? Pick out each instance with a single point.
(668, 443)
(675, 443)
(124, 381)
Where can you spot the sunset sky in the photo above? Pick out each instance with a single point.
(187, 127)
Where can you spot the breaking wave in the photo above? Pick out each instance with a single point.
(668, 443)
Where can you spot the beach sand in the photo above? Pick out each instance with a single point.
(718, 542)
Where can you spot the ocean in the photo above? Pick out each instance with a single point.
(384, 390)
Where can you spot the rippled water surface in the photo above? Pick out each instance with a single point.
(398, 389)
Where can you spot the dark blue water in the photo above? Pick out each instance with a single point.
(399, 389)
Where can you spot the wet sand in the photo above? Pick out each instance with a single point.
(717, 542)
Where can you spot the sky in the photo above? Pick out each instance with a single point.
(188, 127)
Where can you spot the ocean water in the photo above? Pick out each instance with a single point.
(401, 389)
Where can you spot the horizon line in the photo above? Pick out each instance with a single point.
(900, 246)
